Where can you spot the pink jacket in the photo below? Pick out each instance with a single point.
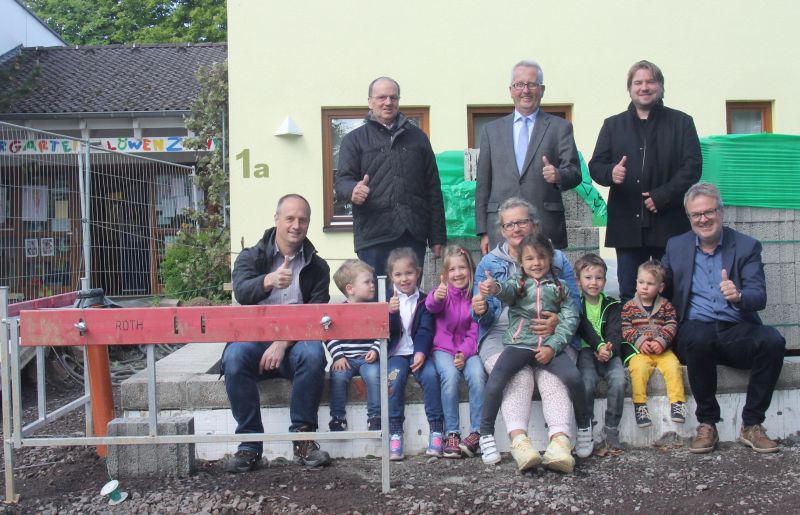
(456, 331)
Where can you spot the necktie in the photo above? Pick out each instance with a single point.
(522, 144)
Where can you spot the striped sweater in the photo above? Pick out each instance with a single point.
(661, 324)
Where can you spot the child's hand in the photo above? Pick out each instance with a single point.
(458, 360)
(419, 360)
(394, 303)
(604, 354)
(488, 287)
(544, 354)
(371, 356)
(656, 347)
(479, 304)
(441, 292)
(340, 365)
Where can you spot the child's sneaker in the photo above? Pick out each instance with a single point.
(524, 454)
(471, 444)
(337, 424)
(435, 444)
(452, 447)
(489, 450)
(585, 444)
(558, 456)
(374, 424)
(396, 448)
(642, 415)
(677, 412)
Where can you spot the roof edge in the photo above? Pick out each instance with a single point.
(94, 114)
(46, 26)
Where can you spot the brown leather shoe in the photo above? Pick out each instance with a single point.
(756, 437)
(706, 439)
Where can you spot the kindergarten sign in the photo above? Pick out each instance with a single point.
(71, 146)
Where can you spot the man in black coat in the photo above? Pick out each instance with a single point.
(648, 156)
(388, 171)
(282, 268)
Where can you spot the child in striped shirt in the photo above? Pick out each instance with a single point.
(354, 357)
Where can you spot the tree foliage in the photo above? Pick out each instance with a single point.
(101, 22)
(199, 261)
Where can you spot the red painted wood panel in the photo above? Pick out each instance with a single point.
(129, 326)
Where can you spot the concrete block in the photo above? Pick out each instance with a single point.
(148, 460)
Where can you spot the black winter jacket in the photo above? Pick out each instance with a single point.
(405, 192)
(610, 325)
(254, 263)
(663, 159)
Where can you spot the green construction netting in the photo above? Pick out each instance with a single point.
(459, 195)
(756, 170)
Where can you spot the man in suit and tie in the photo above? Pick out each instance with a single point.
(718, 287)
(529, 154)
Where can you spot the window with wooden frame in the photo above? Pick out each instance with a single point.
(748, 117)
(336, 124)
(479, 116)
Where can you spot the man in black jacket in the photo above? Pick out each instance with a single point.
(388, 171)
(649, 156)
(282, 268)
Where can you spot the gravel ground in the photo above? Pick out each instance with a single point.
(666, 479)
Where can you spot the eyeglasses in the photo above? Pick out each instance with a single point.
(519, 86)
(383, 98)
(710, 214)
(522, 224)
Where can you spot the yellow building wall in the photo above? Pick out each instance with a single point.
(294, 58)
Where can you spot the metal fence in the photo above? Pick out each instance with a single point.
(70, 209)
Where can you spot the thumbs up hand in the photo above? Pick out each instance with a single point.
(488, 287)
(441, 292)
(618, 173)
(280, 278)
(394, 303)
(549, 172)
(479, 303)
(729, 289)
(361, 191)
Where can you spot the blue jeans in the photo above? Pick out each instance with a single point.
(628, 261)
(398, 370)
(304, 363)
(340, 379)
(449, 377)
(613, 371)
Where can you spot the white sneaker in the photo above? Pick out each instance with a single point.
(490, 455)
(585, 443)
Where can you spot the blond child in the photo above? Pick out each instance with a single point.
(354, 357)
(455, 350)
(649, 324)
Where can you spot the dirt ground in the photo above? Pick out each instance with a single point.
(652, 480)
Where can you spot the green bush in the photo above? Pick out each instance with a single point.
(198, 265)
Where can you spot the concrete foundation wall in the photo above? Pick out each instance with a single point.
(201, 395)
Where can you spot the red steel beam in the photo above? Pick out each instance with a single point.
(133, 326)
(54, 301)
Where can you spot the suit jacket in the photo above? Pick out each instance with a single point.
(499, 179)
(741, 258)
